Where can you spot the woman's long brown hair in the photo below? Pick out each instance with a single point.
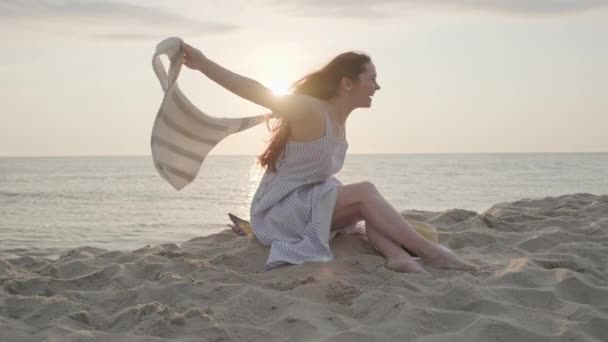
(322, 84)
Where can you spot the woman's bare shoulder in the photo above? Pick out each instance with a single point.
(309, 125)
(301, 108)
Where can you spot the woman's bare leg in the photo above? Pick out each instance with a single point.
(397, 259)
(363, 201)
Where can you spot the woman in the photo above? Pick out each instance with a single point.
(299, 203)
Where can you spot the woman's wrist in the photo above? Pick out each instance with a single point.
(201, 62)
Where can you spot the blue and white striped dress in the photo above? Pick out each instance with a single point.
(292, 209)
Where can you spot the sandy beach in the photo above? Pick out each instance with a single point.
(543, 278)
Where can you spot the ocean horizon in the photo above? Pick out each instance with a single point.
(51, 204)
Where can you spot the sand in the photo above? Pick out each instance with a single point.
(543, 277)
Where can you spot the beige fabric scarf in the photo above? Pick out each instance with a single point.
(183, 135)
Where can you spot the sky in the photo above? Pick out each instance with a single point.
(457, 76)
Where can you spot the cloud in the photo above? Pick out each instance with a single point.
(389, 8)
(107, 19)
(533, 7)
(336, 8)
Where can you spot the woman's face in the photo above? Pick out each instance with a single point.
(363, 90)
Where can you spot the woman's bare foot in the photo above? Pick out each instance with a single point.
(445, 259)
(404, 264)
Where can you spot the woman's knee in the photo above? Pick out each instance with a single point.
(369, 196)
(351, 201)
(367, 189)
(367, 192)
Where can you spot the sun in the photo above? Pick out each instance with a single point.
(279, 87)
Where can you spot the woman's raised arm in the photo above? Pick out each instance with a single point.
(292, 107)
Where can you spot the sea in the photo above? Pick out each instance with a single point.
(49, 205)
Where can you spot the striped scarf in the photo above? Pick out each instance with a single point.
(183, 135)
